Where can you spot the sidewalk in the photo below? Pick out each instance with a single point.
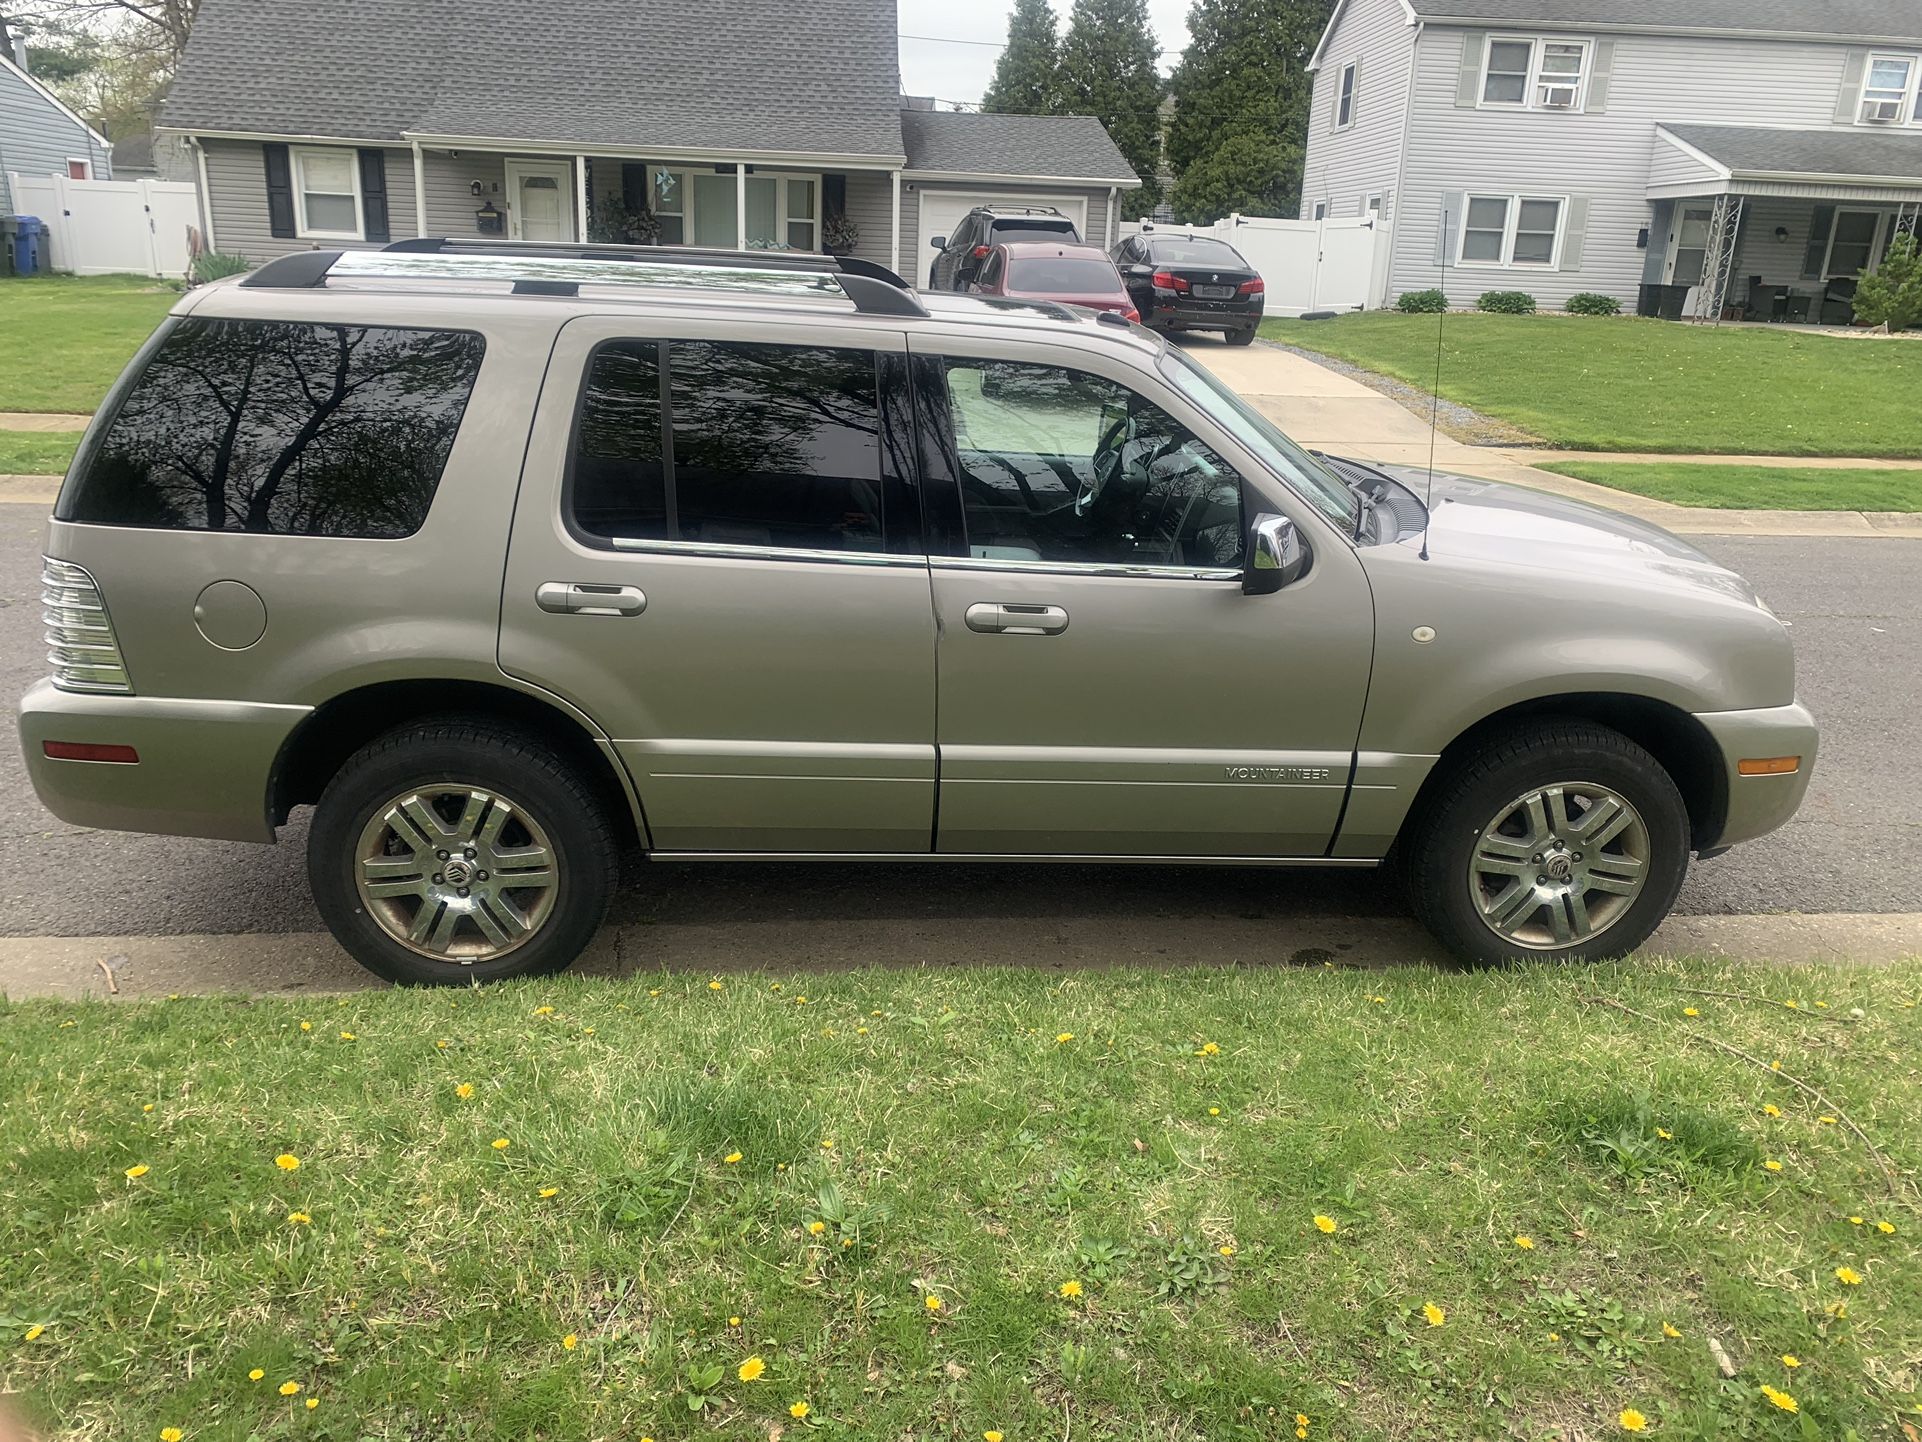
(1329, 412)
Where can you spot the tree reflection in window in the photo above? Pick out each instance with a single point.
(283, 427)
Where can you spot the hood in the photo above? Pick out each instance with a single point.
(1515, 526)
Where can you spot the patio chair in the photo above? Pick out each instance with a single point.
(1838, 301)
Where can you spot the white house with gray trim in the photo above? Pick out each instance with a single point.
(1725, 156)
(40, 135)
(736, 124)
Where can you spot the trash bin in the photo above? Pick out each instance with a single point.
(29, 236)
(9, 228)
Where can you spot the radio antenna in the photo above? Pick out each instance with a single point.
(1434, 407)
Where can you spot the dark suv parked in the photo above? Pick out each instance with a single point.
(959, 262)
(1191, 282)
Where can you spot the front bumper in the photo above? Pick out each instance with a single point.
(1759, 804)
(205, 766)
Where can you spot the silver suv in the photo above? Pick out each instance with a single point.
(509, 559)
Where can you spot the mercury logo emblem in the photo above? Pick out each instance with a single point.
(1560, 867)
(458, 872)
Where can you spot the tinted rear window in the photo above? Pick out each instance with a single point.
(1028, 225)
(282, 427)
(1063, 273)
(1201, 252)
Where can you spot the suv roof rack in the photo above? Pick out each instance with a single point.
(873, 289)
(993, 209)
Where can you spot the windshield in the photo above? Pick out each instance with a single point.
(1206, 252)
(1063, 273)
(1287, 460)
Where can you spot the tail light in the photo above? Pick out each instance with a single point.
(81, 646)
(1251, 287)
(1168, 280)
(980, 252)
(1130, 313)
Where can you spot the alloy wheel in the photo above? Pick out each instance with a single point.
(1559, 865)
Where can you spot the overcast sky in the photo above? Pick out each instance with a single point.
(950, 68)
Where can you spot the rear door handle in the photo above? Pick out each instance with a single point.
(1016, 618)
(584, 598)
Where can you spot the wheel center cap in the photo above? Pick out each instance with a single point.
(1560, 866)
(458, 871)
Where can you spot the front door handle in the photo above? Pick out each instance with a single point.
(585, 598)
(1016, 618)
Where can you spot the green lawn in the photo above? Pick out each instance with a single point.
(64, 339)
(36, 453)
(1625, 384)
(1799, 488)
(934, 1204)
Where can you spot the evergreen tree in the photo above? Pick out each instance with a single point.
(1247, 174)
(1244, 78)
(1026, 77)
(1108, 70)
(1892, 297)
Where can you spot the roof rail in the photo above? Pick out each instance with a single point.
(873, 289)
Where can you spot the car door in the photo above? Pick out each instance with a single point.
(947, 264)
(1129, 254)
(717, 556)
(1104, 685)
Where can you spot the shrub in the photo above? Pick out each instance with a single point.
(1421, 302)
(1506, 302)
(1893, 295)
(213, 265)
(1588, 303)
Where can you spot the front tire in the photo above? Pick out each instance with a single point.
(454, 852)
(1558, 841)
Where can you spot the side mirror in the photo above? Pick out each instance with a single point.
(939, 242)
(1277, 556)
(1140, 271)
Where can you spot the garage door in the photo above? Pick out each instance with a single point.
(942, 209)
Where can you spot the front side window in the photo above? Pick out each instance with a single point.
(1885, 89)
(1345, 103)
(327, 191)
(1510, 230)
(280, 427)
(1057, 465)
(769, 446)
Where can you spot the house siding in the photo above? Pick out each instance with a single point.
(915, 254)
(237, 199)
(36, 137)
(1344, 167)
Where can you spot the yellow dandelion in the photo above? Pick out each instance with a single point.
(1669, 1330)
(1838, 1309)
(734, 1321)
(299, 1219)
(932, 1302)
(170, 1434)
(1069, 1289)
(1554, 1336)
(1064, 1036)
(547, 1192)
(1326, 1224)
(255, 1375)
(137, 1171)
(715, 986)
(501, 1144)
(148, 1107)
(543, 1011)
(441, 1045)
(1826, 1121)
(1886, 1228)
(1225, 1250)
(653, 991)
(1792, 1004)
(1214, 1111)
(991, 1436)
(287, 1162)
(34, 1332)
(570, 1342)
(1527, 1244)
(1665, 1134)
(1301, 1419)
(751, 1369)
(799, 1410)
(1775, 1066)
(464, 1091)
(348, 1036)
(827, 1144)
(1823, 1004)
(1855, 1221)
(731, 1158)
(1848, 1276)
(1772, 1165)
(1209, 1048)
(1781, 1399)
(1770, 1109)
(846, 1242)
(860, 1031)
(1302, 1433)
(311, 1403)
(1632, 1421)
(287, 1389)
(1379, 1000)
(1691, 1011)
(1789, 1359)
(1435, 1315)
(306, 1026)
(815, 1228)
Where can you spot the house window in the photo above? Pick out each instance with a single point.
(79, 169)
(669, 192)
(1886, 88)
(803, 214)
(1321, 210)
(699, 208)
(1504, 230)
(1534, 73)
(1371, 204)
(1345, 100)
(326, 194)
(1852, 242)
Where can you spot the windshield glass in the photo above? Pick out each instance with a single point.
(1195, 248)
(1063, 273)
(1287, 460)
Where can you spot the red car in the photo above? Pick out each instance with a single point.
(1055, 270)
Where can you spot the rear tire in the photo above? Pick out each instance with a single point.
(406, 832)
(1557, 841)
(1242, 337)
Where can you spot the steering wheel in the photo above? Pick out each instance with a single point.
(1106, 464)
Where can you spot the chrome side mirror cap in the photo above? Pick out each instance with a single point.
(1277, 556)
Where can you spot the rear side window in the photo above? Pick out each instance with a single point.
(744, 445)
(282, 427)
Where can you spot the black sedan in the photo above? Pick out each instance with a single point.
(1191, 282)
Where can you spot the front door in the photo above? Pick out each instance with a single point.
(1688, 257)
(1105, 687)
(540, 200)
(720, 562)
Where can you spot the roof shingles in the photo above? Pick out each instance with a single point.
(1749, 150)
(1042, 146)
(1899, 20)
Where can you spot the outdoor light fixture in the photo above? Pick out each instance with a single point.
(1781, 234)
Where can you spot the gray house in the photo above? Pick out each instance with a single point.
(1720, 156)
(39, 135)
(735, 124)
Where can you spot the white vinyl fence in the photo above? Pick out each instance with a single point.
(110, 227)
(1307, 264)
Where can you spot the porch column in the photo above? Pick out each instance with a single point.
(420, 192)
(740, 204)
(580, 198)
(894, 250)
(206, 197)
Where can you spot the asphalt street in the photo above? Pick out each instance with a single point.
(1856, 609)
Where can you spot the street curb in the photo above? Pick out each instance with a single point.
(310, 963)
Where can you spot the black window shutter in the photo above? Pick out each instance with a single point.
(834, 195)
(634, 186)
(373, 194)
(280, 192)
(1817, 253)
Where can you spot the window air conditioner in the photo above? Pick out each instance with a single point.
(1558, 97)
(1882, 111)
